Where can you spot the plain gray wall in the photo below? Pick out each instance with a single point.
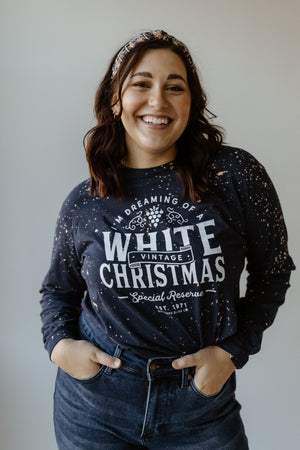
(53, 54)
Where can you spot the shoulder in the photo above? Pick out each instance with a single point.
(78, 192)
(237, 167)
(234, 160)
(242, 182)
(77, 197)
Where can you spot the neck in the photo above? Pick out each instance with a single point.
(145, 161)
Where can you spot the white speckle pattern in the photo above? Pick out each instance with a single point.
(161, 275)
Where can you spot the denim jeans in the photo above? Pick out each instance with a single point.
(143, 404)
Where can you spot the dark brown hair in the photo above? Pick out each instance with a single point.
(105, 143)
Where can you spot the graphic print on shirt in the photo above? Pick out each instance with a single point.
(155, 249)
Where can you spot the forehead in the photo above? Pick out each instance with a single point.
(160, 61)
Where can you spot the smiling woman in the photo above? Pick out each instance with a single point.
(141, 306)
(173, 82)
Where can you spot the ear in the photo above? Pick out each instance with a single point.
(115, 108)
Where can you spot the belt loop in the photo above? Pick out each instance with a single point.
(117, 353)
(148, 369)
(184, 378)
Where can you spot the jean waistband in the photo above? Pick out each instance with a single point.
(152, 368)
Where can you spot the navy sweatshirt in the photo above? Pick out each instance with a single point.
(160, 275)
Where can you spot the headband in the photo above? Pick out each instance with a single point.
(158, 35)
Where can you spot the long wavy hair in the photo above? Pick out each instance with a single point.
(105, 143)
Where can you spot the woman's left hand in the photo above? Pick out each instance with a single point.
(213, 367)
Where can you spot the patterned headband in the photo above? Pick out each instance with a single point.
(159, 35)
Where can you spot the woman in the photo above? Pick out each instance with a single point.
(141, 307)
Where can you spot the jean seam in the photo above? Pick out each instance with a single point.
(146, 410)
(128, 368)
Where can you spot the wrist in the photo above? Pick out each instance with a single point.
(235, 348)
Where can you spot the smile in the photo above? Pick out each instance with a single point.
(156, 120)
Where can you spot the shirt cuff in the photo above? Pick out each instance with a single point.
(232, 346)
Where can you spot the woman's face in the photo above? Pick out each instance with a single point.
(156, 102)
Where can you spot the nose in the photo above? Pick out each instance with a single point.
(157, 98)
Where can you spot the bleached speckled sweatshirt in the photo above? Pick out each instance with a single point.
(161, 276)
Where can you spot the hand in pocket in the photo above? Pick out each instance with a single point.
(213, 367)
(80, 358)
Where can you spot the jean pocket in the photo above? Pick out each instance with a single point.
(201, 394)
(92, 378)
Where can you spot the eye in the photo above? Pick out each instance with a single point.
(140, 84)
(175, 88)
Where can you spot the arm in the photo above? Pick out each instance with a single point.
(268, 264)
(63, 289)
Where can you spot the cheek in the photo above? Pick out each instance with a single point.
(130, 103)
(128, 118)
(184, 109)
(185, 115)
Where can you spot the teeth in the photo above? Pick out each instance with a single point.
(156, 120)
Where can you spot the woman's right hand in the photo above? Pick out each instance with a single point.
(80, 358)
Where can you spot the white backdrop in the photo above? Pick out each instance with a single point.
(53, 54)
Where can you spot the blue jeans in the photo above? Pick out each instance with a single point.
(144, 404)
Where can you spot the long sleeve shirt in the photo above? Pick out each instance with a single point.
(160, 275)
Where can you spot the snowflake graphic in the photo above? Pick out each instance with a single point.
(154, 214)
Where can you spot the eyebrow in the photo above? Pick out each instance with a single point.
(171, 76)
